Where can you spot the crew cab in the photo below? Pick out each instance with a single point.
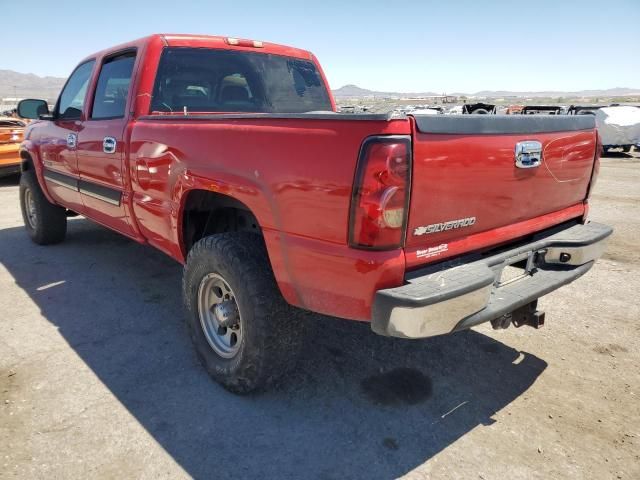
(228, 155)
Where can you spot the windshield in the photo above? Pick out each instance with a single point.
(208, 80)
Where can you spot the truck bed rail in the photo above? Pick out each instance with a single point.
(502, 124)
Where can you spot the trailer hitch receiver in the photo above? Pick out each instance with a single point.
(525, 315)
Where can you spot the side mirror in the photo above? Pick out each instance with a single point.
(33, 109)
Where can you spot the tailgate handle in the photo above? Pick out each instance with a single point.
(528, 154)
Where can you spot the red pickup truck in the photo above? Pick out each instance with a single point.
(229, 156)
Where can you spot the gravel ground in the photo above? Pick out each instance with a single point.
(98, 378)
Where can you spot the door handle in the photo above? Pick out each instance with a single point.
(72, 140)
(109, 145)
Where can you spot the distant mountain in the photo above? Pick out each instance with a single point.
(610, 92)
(353, 91)
(24, 85)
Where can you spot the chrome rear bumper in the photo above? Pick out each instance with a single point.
(461, 293)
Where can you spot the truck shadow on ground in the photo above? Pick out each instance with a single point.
(357, 406)
(9, 180)
(617, 154)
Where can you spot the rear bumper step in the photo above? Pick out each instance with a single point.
(455, 296)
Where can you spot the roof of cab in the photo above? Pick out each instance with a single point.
(212, 41)
(203, 41)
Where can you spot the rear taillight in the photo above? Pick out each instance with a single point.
(380, 198)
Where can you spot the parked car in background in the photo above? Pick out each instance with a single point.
(541, 110)
(479, 108)
(514, 109)
(11, 134)
(583, 110)
(428, 111)
(619, 127)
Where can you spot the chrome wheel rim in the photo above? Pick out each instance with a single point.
(219, 315)
(30, 208)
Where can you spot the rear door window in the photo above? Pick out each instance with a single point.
(112, 90)
(209, 80)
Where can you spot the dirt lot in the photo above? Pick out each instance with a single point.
(98, 378)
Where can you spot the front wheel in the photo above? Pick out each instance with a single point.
(245, 334)
(45, 222)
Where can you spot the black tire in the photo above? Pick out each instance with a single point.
(45, 222)
(271, 329)
(626, 148)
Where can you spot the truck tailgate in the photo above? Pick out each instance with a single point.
(465, 181)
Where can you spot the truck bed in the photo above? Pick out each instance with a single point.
(284, 166)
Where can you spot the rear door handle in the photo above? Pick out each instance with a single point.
(109, 145)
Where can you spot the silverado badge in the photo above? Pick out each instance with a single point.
(441, 227)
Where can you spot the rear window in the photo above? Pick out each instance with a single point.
(208, 80)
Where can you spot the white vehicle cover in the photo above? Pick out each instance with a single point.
(619, 125)
(425, 111)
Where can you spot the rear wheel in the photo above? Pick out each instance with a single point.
(45, 222)
(245, 334)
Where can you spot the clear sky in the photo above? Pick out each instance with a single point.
(402, 45)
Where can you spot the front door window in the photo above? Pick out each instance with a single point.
(72, 98)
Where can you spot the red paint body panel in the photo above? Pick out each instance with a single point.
(459, 176)
(492, 238)
(296, 176)
(104, 169)
(287, 170)
(55, 154)
(330, 278)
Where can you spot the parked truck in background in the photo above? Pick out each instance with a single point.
(227, 155)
